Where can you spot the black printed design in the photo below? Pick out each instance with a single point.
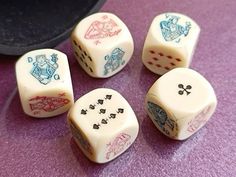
(183, 90)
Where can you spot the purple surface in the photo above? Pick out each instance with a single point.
(32, 147)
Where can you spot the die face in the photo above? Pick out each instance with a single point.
(83, 57)
(107, 40)
(102, 115)
(112, 147)
(160, 59)
(115, 60)
(44, 83)
(48, 103)
(161, 118)
(81, 139)
(196, 122)
(186, 96)
(170, 42)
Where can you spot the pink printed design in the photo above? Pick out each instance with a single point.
(103, 28)
(118, 145)
(199, 120)
(47, 104)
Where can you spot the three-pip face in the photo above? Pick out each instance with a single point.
(106, 122)
(180, 102)
(170, 42)
(102, 44)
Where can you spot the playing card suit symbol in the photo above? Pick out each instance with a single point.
(100, 101)
(113, 116)
(104, 121)
(92, 106)
(83, 111)
(102, 111)
(96, 126)
(120, 110)
(108, 97)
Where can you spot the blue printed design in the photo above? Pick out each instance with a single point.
(166, 124)
(171, 30)
(114, 61)
(78, 135)
(44, 69)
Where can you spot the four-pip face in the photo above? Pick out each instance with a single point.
(103, 124)
(170, 42)
(180, 102)
(102, 44)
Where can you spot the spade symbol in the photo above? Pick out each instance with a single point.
(113, 116)
(102, 111)
(104, 121)
(100, 101)
(83, 111)
(96, 126)
(120, 110)
(108, 97)
(92, 106)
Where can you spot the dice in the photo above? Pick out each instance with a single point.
(103, 124)
(102, 44)
(170, 42)
(44, 83)
(180, 102)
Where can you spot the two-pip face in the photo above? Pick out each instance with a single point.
(102, 44)
(170, 42)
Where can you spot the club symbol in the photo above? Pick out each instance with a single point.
(102, 111)
(120, 110)
(188, 87)
(112, 116)
(96, 126)
(91, 106)
(104, 121)
(108, 97)
(84, 111)
(100, 102)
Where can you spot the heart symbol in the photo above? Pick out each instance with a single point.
(96, 126)
(104, 121)
(100, 101)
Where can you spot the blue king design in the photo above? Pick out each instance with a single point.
(44, 69)
(161, 118)
(114, 61)
(171, 30)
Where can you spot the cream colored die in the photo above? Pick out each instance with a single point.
(180, 102)
(103, 124)
(170, 42)
(102, 44)
(44, 83)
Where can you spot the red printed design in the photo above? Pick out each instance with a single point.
(199, 120)
(99, 29)
(47, 104)
(118, 145)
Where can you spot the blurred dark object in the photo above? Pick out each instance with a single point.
(31, 24)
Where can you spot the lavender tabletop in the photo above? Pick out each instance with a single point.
(33, 147)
